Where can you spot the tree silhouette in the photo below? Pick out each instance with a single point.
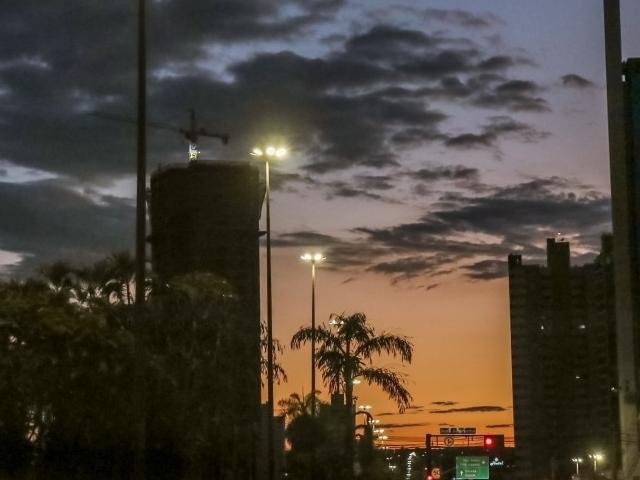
(297, 405)
(347, 347)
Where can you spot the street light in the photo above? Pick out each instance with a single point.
(595, 457)
(577, 461)
(313, 258)
(268, 154)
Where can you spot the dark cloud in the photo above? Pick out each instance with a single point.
(345, 190)
(360, 105)
(501, 127)
(47, 221)
(471, 234)
(341, 253)
(410, 267)
(486, 269)
(513, 95)
(497, 62)
(510, 218)
(336, 109)
(403, 425)
(444, 403)
(381, 41)
(475, 408)
(573, 80)
(499, 425)
(375, 182)
(289, 180)
(462, 18)
(454, 172)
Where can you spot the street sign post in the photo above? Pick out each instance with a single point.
(472, 468)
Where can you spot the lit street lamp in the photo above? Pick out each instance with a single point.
(577, 461)
(595, 457)
(267, 154)
(313, 258)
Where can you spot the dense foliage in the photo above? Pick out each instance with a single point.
(70, 365)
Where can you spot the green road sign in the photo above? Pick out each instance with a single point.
(472, 468)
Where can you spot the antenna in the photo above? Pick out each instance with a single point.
(191, 134)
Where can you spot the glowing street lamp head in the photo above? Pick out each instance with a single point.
(312, 257)
(269, 151)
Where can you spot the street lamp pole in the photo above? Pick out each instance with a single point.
(270, 440)
(577, 461)
(313, 259)
(267, 154)
(140, 252)
(595, 457)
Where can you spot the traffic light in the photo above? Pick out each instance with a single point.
(492, 442)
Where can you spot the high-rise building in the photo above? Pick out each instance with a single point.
(563, 361)
(205, 218)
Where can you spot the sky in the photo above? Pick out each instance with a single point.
(428, 139)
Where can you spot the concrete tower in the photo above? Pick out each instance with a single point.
(204, 218)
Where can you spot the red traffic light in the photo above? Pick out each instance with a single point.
(489, 441)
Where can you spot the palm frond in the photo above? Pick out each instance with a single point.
(392, 383)
(323, 336)
(386, 343)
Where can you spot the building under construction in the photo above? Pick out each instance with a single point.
(205, 218)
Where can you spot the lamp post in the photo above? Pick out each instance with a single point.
(577, 461)
(140, 260)
(595, 457)
(313, 258)
(267, 154)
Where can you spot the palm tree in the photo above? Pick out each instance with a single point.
(346, 352)
(297, 405)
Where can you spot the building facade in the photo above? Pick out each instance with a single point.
(563, 362)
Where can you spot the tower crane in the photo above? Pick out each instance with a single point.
(191, 134)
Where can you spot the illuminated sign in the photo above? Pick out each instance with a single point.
(472, 468)
(457, 430)
(496, 462)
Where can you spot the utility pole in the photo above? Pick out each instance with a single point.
(623, 226)
(141, 218)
